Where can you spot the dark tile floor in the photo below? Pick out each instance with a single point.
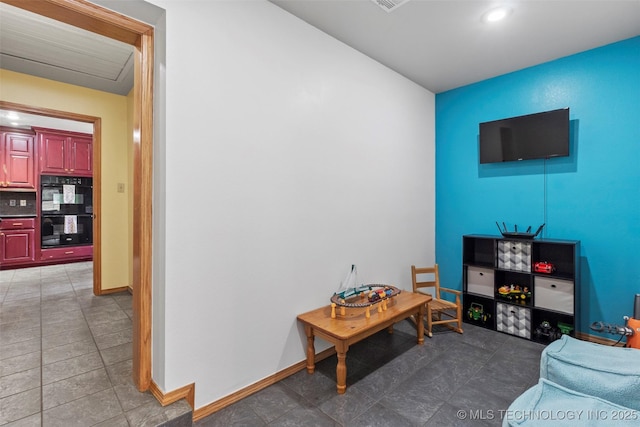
(65, 354)
(452, 380)
(65, 360)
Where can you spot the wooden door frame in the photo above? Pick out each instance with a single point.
(91, 17)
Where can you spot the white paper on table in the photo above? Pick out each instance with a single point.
(70, 224)
(69, 193)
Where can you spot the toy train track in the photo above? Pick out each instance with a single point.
(364, 296)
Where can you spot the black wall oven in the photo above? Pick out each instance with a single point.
(66, 211)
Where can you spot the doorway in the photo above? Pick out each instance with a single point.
(91, 17)
(95, 122)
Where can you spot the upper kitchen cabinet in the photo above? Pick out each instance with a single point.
(17, 159)
(65, 153)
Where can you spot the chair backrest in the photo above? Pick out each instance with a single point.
(426, 277)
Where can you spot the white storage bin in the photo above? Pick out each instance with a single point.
(480, 281)
(553, 294)
(514, 255)
(513, 320)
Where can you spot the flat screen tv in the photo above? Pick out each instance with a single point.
(533, 136)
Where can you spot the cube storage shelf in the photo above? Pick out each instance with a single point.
(539, 306)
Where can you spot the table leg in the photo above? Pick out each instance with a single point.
(341, 368)
(311, 351)
(420, 324)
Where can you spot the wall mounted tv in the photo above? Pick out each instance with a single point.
(534, 136)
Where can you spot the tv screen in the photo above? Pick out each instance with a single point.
(534, 136)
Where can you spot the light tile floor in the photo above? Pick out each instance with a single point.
(65, 354)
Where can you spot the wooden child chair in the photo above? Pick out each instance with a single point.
(439, 311)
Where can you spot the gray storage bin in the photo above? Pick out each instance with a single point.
(480, 281)
(553, 294)
(513, 320)
(514, 255)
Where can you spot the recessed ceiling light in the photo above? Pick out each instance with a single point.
(497, 14)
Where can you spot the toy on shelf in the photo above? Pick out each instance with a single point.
(544, 267)
(546, 332)
(514, 293)
(476, 313)
(565, 329)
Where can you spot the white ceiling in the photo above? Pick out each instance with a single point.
(439, 44)
(35, 45)
(42, 47)
(443, 44)
(26, 121)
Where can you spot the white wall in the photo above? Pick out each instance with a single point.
(289, 156)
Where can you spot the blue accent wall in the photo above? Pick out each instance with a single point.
(592, 196)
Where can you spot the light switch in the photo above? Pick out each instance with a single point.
(120, 187)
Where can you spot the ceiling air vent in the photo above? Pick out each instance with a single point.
(390, 5)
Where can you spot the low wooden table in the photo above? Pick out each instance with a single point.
(354, 326)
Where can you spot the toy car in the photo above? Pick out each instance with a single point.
(515, 293)
(544, 267)
(546, 332)
(565, 329)
(476, 313)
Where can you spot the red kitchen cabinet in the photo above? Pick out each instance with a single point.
(81, 156)
(65, 153)
(76, 253)
(17, 159)
(17, 241)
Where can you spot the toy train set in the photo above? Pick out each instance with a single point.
(365, 295)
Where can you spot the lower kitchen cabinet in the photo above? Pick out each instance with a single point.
(17, 241)
(67, 253)
(18, 246)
